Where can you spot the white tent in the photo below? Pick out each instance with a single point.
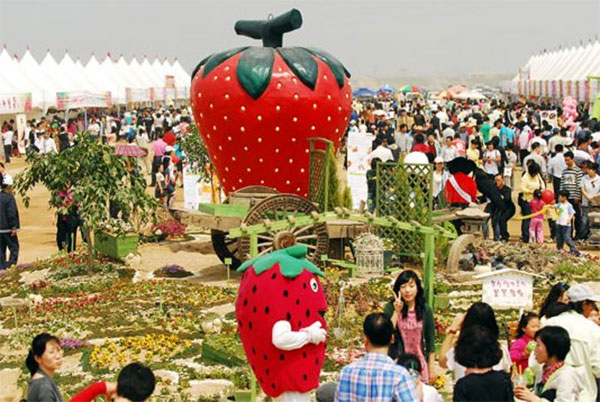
(36, 75)
(559, 73)
(158, 83)
(117, 80)
(136, 89)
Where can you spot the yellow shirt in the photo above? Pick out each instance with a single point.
(473, 154)
(530, 184)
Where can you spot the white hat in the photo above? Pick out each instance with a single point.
(438, 159)
(7, 180)
(169, 148)
(581, 292)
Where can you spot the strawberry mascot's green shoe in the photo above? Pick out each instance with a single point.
(280, 312)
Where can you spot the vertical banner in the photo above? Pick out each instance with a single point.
(15, 103)
(569, 88)
(194, 191)
(546, 92)
(576, 90)
(21, 123)
(553, 89)
(359, 148)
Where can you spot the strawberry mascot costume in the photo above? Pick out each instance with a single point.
(280, 309)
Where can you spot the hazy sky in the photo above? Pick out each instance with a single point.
(371, 37)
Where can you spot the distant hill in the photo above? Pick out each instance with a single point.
(435, 83)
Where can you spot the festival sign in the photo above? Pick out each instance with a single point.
(80, 99)
(507, 288)
(13, 103)
(21, 123)
(136, 95)
(359, 148)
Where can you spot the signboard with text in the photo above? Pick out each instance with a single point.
(507, 288)
(15, 103)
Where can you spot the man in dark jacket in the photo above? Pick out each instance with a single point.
(9, 224)
(501, 216)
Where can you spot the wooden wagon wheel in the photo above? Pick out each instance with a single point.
(226, 247)
(279, 207)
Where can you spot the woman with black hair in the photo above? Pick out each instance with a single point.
(44, 359)
(480, 314)
(558, 293)
(478, 350)
(559, 381)
(413, 323)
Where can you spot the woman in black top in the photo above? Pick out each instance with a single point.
(478, 350)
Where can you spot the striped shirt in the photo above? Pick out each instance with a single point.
(375, 378)
(571, 180)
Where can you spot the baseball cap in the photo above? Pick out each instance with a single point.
(581, 292)
(438, 159)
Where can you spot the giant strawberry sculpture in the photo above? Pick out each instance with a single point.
(256, 107)
(280, 309)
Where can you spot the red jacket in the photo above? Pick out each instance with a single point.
(91, 392)
(466, 183)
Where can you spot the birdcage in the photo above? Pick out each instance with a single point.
(369, 255)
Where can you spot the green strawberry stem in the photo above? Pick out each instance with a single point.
(270, 31)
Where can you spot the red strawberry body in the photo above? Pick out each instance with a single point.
(268, 295)
(256, 122)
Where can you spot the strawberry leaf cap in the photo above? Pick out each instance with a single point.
(292, 261)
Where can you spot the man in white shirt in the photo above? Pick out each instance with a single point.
(556, 165)
(442, 116)
(94, 130)
(381, 152)
(448, 132)
(47, 145)
(536, 155)
(449, 151)
(7, 137)
(538, 139)
(585, 338)
(404, 140)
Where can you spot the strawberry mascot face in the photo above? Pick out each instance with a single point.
(256, 107)
(280, 294)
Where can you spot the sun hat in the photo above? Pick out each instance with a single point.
(581, 292)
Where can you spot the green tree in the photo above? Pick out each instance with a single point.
(97, 176)
(196, 154)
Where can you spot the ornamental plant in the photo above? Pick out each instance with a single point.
(97, 176)
(171, 227)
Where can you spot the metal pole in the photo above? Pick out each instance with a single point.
(253, 254)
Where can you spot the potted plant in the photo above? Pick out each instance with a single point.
(116, 238)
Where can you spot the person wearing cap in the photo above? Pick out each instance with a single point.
(9, 224)
(440, 175)
(584, 335)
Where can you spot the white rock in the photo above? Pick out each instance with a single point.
(142, 276)
(210, 388)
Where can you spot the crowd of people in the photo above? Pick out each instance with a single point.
(552, 357)
(496, 152)
(157, 132)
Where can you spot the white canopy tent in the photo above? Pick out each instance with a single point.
(35, 74)
(560, 73)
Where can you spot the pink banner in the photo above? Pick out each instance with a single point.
(15, 103)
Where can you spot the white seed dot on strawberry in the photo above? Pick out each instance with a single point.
(314, 105)
(295, 119)
(307, 150)
(277, 108)
(279, 69)
(345, 119)
(259, 117)
(245, 148)
(291, 160)
(329, 97)
(328, 118)
(294, 80)
(215, 78)
(240, 180)
(347, 96)
(226, 68)
(279, 85)
(227, 78)
(248, 169)
(242, 129)
(211, 106)
(277, 128)
(199, 94)
(226, 96)
(259, 139)
(339, 108)
(224, 117)
(208, 136)
(313, 128)
(220, 148)
(293, 139)
(201, 115)
(260, 160)
(276, 170)
(214, 128)
(337, 130)
(233, 158)
(296, 96)
(229, 138)
(287, 182)
(298, 189)
(243, 108)
(302, 170)
(224, 180)
(262, 182)
(276, 150)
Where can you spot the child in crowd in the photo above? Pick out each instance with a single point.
(536, 226)
(135, 382)
(413, 365)
(160, 191)
(565, 213)
(522, 347)
(509, 167)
